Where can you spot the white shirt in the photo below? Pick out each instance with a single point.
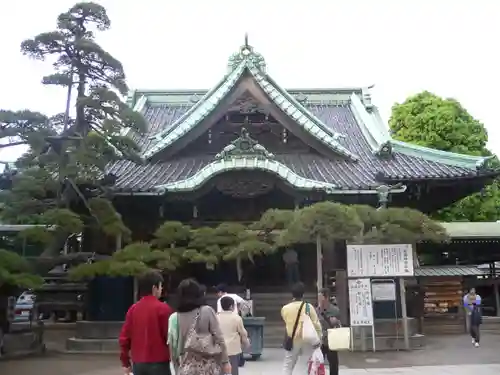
(237, 301)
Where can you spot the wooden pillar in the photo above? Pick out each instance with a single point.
(118, 242)
(497, 297)
(319, 263)
(342, 295)
(404, 313)
(340, 264)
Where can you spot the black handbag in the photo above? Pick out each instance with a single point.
(288, 342)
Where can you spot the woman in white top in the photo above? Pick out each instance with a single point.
(235, 334)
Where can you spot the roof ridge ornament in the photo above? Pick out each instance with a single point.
(244, 147)
(247, 54)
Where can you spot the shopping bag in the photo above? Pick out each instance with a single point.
(309, 333)
(339, 339)
(316, 365)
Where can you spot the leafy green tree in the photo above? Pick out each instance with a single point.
(164, 252)
(133, 260)
(26, 128)
(428, 120)
(320, 224)
(203, 247)
(61, 181)
(227, 241)
(397, 225)
(16, 271)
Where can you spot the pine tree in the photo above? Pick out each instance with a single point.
(61, 181)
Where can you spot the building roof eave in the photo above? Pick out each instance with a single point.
(293, 108)
(444, 157)
(377, 135)
(475, 230)
(254, 163)
(244, 163)
(195, 114)
(247, 60)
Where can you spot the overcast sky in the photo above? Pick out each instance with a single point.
(449, 47)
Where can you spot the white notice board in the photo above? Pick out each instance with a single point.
(360, 302)
(379, 260)
(384, 291)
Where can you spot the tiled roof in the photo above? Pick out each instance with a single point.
(346, 174)
(349, 125)
(444, 271)
(247, 62)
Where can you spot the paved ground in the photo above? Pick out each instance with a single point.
(443, 355)
(69, 365)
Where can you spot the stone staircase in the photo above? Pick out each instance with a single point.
(436, 326)
(491, 325)
(102, 336)
(388, 335)
(268, 305)
(443, 326)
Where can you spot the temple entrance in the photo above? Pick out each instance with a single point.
(265, 274)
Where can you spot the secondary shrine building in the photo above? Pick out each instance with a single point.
(247, 144)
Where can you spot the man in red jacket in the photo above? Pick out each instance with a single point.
(143, 338)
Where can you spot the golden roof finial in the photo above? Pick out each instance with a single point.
(246, 41)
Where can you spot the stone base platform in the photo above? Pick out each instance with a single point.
(92, 346)
(22, 342)
(95, 337)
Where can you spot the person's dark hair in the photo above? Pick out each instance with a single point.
(298, 290)
(325, 292)
(190, 295)
(221, 288)
(147, 281)
(227, 303)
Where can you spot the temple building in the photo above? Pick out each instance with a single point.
(247, 144)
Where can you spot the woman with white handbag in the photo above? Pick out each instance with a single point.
(328, 315)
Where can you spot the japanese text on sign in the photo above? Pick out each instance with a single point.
(379, 260)
(360, 302)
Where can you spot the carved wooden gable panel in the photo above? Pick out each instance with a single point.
(247, 112)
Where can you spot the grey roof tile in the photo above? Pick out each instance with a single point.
(443, 271)
(347, 174)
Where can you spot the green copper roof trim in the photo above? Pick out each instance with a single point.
(377, 135)
(245, 153)
(450, 158)
(245, 163)
(140, 104)
(291, 106)
(196, 113)
(247, 52)
(282, 99)
(372, 133)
